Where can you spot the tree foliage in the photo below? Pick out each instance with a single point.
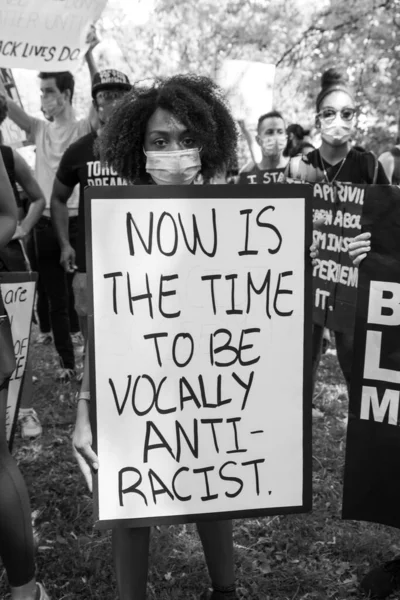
(302, 38)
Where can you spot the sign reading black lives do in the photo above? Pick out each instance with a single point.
(201, 335)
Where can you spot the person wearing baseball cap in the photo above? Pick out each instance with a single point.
(81, 165)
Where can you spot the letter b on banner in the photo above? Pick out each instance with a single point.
(384, 303)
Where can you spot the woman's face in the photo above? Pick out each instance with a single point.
(164, 132)
(336, 118)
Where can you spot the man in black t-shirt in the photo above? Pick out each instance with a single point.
(80, 164)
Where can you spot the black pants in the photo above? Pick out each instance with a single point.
(344, 349)
(57, 285)
(42, 301)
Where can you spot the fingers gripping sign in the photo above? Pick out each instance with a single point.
(314, 248)
(359, 248)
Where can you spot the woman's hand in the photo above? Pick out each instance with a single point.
(314, 248)
(314, 253)
(20, 233)
(359, 248)
(82, 440)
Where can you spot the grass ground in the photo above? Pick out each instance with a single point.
(313, 556)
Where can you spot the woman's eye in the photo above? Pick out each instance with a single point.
(188, 142)
(160, 143)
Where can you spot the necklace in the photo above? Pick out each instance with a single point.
(324, 170)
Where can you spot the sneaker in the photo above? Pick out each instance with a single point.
(382, 581)
(65, 375)
(30, 424)
(41, 593)
(44, 338)
(77, 339)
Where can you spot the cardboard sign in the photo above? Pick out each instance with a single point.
(12, 135)
(201, 302)
(46, 35)
(335, 277)
(18, 292)
(249, 88)
(371, 486)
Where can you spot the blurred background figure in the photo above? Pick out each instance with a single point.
(297, 141)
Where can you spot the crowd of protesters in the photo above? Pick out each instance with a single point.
(177, 131)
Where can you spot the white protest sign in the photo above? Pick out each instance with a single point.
(46, 35)
(198, 357)
(249, 87)
(18, 292)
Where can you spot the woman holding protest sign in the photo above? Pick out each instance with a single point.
(335, 161)
(16, 536)
(168, 133)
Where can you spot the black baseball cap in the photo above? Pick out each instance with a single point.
(110, 79)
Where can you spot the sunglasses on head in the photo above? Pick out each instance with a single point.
(329, 114)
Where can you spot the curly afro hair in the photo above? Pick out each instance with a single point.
(3, 108)
(195, 101)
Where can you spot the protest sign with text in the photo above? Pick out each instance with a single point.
(335, 277)
(200, 358)
(46, 35)
(371, 486)
(18, 292)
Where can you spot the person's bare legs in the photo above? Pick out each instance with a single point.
(16, 544)
(131, 561)
(25, 592)
(217, 540)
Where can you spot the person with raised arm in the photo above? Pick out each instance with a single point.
(52, 137)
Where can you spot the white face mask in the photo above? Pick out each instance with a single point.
(175, 167)
(273, 145)
(54, 106)
(336, 134)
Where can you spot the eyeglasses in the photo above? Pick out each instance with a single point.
(329, 114)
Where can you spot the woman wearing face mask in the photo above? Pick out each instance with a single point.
(167, 134)
(271, 137)
(335, 160)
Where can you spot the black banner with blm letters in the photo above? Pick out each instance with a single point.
(371, 481)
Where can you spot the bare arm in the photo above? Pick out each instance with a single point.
(251, 142)
(387, 161)
(25, 178)
(8, 207)
(16, 113)
(91, 63)
(60, 218)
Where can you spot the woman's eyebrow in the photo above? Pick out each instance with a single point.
(159, 131)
